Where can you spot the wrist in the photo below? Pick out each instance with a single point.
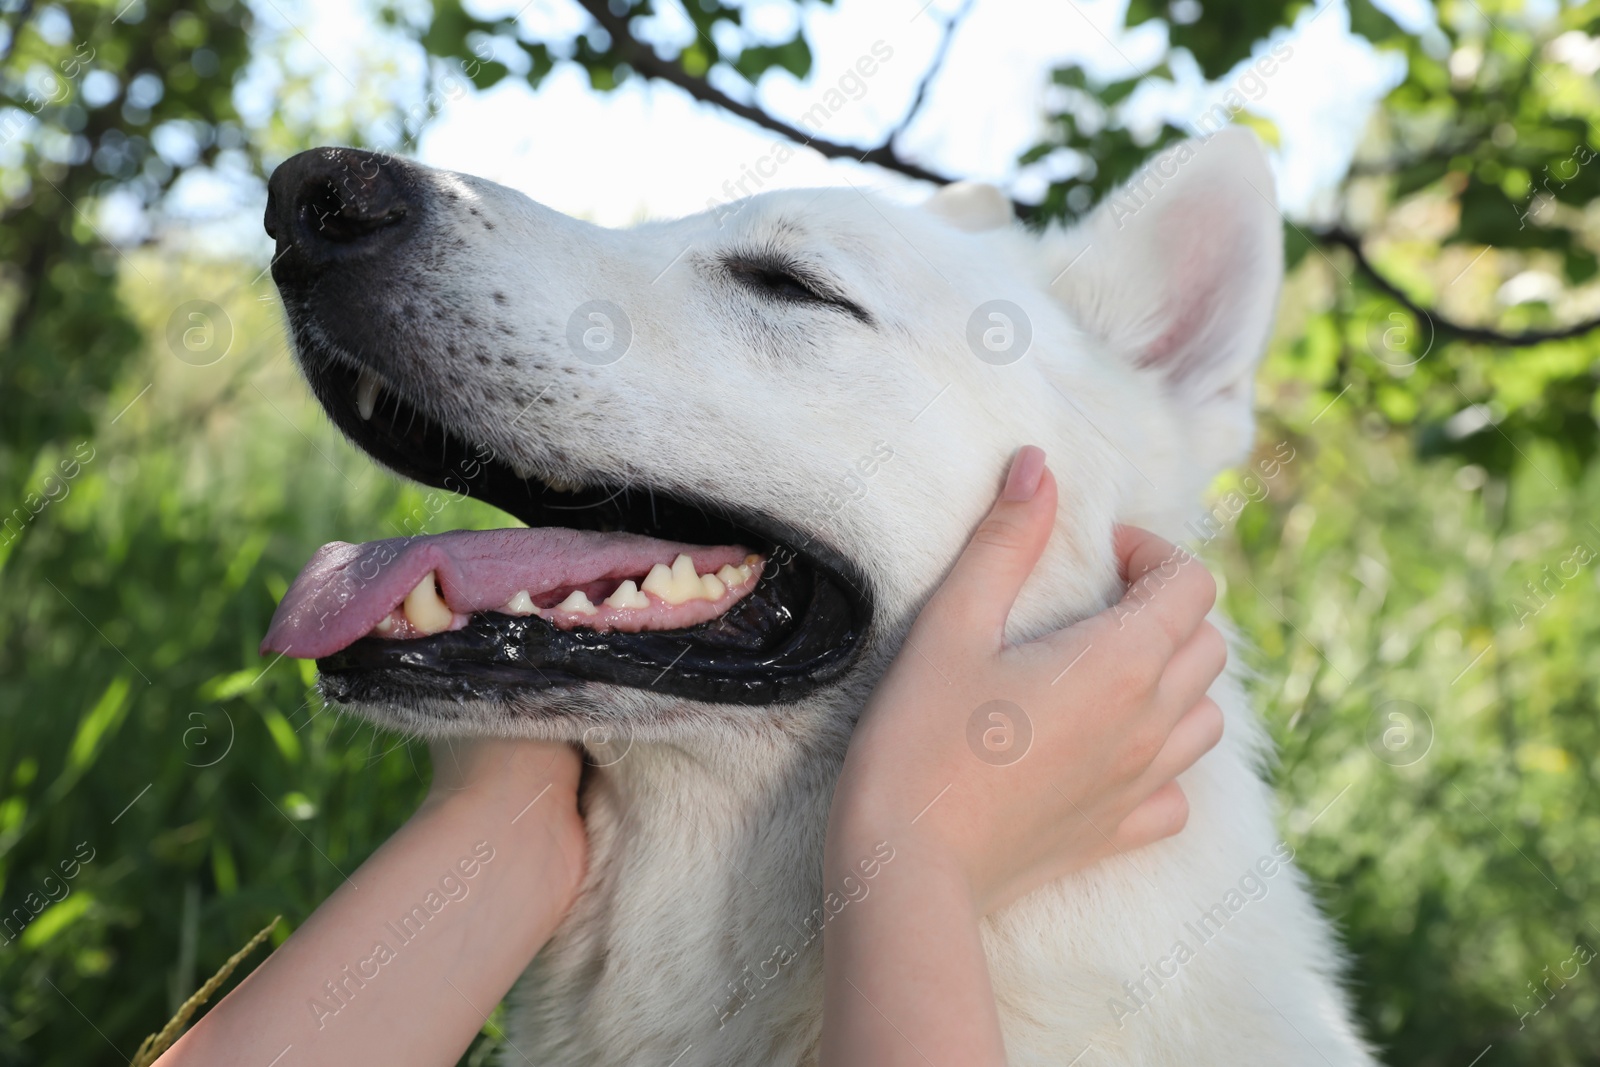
(858, 848)
(533, 821)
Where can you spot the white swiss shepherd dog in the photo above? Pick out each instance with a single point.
(810, 378)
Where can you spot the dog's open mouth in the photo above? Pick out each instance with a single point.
(612, 583)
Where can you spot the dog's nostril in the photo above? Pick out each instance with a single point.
(328, 203)
(342, 215)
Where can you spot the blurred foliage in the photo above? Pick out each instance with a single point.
(85, 98)
(1476, 194)
(1415, 559)
(212, 787)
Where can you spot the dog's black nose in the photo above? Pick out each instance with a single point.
(331, 203)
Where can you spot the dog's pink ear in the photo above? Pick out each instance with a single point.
(1178, 273)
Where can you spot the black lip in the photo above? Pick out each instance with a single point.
(761, 652)
(798, 631)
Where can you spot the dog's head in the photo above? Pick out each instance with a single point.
(748, 443)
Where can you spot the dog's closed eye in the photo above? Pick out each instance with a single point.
(783, 279)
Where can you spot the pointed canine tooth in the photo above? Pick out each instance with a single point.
(367, 387)
(711, 587)
(425, 610)
(627, 595)
(521, 604)
(578, 602)
(659, 582)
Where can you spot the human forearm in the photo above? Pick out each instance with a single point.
(403, 962)
(904, 971)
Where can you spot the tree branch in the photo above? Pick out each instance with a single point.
(932, 72)
(643, 59)
(1342, 238)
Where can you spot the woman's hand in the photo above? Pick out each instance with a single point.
(1039, 759)
(985, 770)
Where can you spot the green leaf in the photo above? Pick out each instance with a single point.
(1369, 21)
(1227, 31)
(56, 918)
(1580, 265)
(793, 56)
(101, 721)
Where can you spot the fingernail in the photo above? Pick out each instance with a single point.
(1027, 470)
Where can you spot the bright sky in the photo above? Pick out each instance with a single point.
(649, 150)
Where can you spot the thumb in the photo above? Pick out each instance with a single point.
(985, 581)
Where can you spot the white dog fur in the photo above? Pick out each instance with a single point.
(706, 822)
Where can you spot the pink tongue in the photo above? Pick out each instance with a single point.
(346, 589)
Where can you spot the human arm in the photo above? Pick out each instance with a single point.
(1116, 709)
(334, 997)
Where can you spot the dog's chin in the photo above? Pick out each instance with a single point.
(796, 628)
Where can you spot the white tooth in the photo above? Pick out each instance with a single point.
(386, 626)
(578, 602)
(562, 485)
(675, 585)
(733, 577)
(659, 582)
(425, 611)
(367, 387)
(685, 580)
(627, 595)
(521, 604)
(712, 586)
